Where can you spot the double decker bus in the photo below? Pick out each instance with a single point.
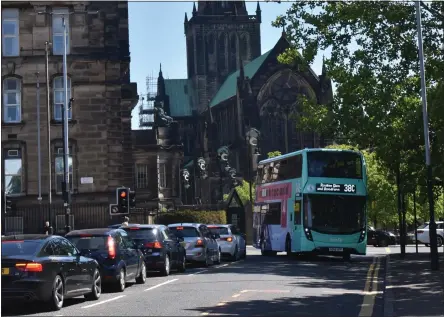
(312, 201)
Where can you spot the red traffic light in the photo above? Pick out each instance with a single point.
(123, 194)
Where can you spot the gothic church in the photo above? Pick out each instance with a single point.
(232, 87)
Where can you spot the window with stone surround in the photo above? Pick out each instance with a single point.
(13, 169)
(58, 14)
(59, 168)
(12, 99)
(59, 98)
(10, 32)
(162, 175)
(142, 176)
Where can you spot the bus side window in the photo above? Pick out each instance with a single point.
(294, 169)
(297, 212)
(273, 216)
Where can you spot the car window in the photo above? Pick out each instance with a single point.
(164, 235)
(88, 242)
(20, 247)
(185, 232)
(118, 240)
(206, 232)
(47, 250)
(219, 230)
(63, 248)
(127, 242)
(171, 235)
(234, 230)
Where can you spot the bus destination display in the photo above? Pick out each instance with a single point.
(335, 188)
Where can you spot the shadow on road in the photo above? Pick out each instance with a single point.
(20, 308)
(417, 291)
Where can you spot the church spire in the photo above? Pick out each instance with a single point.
(160, 83)
(194, 8)
(186, 18)
(258, 12)
(324, 68)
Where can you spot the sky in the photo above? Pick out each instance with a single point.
(156, 35)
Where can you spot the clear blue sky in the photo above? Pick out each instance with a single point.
(157, 36)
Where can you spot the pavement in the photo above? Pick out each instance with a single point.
(256, 286)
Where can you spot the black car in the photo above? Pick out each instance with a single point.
(380, 238)
(117, 254)
(162, 250)
(47, 268)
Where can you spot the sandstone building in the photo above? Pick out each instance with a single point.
(99, 82)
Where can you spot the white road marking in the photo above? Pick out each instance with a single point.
(161, 284)
(198, 272)
(103, 302)
(236, 295)
(223, 265)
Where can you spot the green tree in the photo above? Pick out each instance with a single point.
(243, 190)
(377, 103)
(273, 154)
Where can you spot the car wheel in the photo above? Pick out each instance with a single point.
(244, 254)
(96, 290)
(440, 241)
(141, 279)
(288, 246)
(183, 266)
(167, 266)
(58, 294)
(208, 261)
(218, 256)
(383, 243)
(121, 283)
(235, 256)
(263, 252)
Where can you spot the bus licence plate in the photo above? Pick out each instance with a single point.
(5, 271)
(335, 249)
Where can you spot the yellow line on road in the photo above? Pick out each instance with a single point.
(370, 295)
(387, 250)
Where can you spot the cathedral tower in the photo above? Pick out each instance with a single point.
(220, 36)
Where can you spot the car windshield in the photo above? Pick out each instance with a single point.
(334, 164)
(185, 232)
(15, 247)
(148, 234)
(89, 242)
(219, 230)
(334, 213)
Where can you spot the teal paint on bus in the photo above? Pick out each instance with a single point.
(307, 215)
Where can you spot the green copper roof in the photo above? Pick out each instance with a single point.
(228, 88)
(180, 92)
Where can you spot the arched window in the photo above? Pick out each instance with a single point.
(59, 98)
(190, 56)
(233, 53)
(210, 44)
(243, 47)
(221, 53)
(12, 112)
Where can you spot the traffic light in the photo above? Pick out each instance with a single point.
(8, 204)
(123, 200)
(132, 198)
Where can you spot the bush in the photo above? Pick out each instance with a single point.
(198, 216)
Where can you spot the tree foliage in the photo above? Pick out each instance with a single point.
(374, 63)
(273, 154)
(243, 190)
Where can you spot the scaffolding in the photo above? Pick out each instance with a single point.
(146, 107)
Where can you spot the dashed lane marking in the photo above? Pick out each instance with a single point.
(198, 272)
(161, 284)
(103, 302)
(221, 304)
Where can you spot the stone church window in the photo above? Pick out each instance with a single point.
(190, 49)
(221, 53)
(233, 53)
(243, 47)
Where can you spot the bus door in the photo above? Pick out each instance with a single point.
(297, 225)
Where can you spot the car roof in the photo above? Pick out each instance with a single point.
(136, 225)
(21, 237)
(219, 225)
(95, 231)
(185, 224)
(118, 225)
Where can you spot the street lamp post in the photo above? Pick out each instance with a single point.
(432, 225)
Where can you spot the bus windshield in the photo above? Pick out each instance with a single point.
(336, 214)
(334, 164)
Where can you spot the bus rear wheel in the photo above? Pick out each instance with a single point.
(266, 252)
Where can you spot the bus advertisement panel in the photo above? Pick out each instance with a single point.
(318, 207)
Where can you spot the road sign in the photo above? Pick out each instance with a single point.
(114, 210)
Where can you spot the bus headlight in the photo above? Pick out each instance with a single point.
(308, 234)
(362, 236)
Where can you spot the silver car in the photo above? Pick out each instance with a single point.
(200, 244)
(231, 241)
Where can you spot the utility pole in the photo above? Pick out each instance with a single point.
(48, 132)
(39, 150)
(432, 226)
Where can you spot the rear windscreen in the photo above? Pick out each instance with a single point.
(90, 242)
(29, 247)
(185, 232)
(219, 230)
(149, 234)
